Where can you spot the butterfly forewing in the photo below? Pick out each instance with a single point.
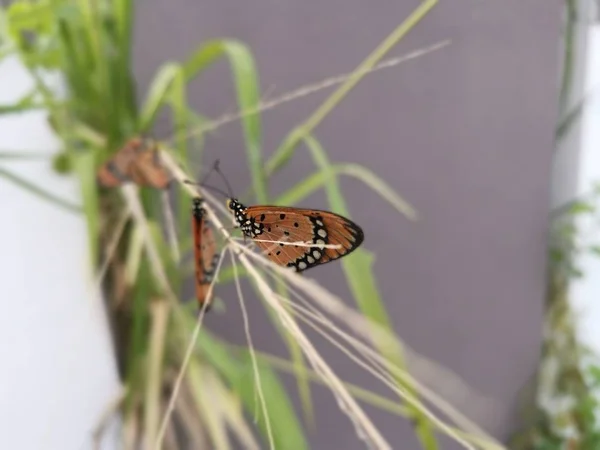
(205, 252)
(315, 228)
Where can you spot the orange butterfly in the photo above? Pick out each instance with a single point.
(138, 162)
(205, 251)
(311, 226)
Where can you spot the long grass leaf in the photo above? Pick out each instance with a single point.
(84, 165)
(317, 180)
(285, 150)
(361, 280)
(7, 154)
(287, 431)
(245, 77)
(157, 94)
(38, 191)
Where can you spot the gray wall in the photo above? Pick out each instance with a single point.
(464, 134)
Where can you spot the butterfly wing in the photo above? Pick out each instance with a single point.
(205, 252)
(147, 170)
(314, 227)
(116, 170)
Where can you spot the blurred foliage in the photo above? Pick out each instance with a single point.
(564, 410)
(88, 43)
(562, 403)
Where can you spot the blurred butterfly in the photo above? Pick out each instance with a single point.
(314, 228)
(138, 161)
(205, 252)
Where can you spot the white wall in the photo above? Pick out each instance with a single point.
(58, 371)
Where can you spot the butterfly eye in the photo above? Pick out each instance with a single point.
(230, 204)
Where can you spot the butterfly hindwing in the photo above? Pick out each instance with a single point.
(205, 252)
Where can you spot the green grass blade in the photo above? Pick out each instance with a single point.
(285, 151)
(7, 154)
(293, 347)
(157, 94)
(287, 431)
(245, 77)
(357, 392)
(248, 93)
(27, 103)
(300, 368)
(38, 191)
(213, 424)
(317, 180)
(361, 280)
(302, 189)
(84, 165)
(384, 190)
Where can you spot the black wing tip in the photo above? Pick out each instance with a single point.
(357, 232)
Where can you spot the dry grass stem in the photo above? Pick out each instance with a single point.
(190, 418)
(374, 333)
(130, 193)
(232, 413)
(257, 382)
(111, 247)
(188, 355)
(364, 427)
(385, 366)
(334, 306)
(159, 313)
(111, 409)
(311, 89)
(376, 370)
(170, 226)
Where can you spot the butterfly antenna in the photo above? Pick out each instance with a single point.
(209, 187)
(218, 170)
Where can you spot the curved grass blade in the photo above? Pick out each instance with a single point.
(361, 280)
(245, 77)
(40, 192)
(84, 165)
(285, 151)
(157, 94)
(287, 431)
(23, 155)
(318, 179)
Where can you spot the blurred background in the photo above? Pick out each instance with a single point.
(490, 136)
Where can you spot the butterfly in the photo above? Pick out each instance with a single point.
(205, 251)
(137, 161)
(312, 226)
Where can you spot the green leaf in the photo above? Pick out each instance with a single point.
(285, 151)
(317, 180)
(157, 94)
(7, 154)
(361, 279)
(85, 167)
(287, 431)
(246, 83)
(39, 191)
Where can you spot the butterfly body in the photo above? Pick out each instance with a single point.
(205, 252)
(315, 237)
